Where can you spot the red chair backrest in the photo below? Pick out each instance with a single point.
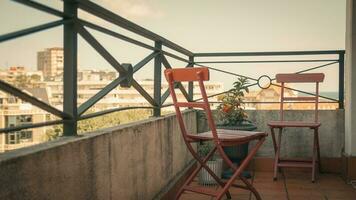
(199, 74)
(300, 78)
(187, 74)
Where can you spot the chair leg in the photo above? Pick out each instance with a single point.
(239, 170)
(273, 140)
(202, 164)
(195, 172)
(250, 186)
(318, 149)
(276, 158)
(315, 153)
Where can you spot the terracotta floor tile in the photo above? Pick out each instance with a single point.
(241, 197)
(271, 197)
(306, 197)
(292, 185)
(191, 196)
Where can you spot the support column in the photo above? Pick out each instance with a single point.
(350, 94)
(341, 80)
(70, 69)
(190, 84)
(157, 80)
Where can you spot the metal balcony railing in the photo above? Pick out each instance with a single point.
(73, 26)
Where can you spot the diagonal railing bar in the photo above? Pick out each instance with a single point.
(108, 88)
(104, 112)
(167, 93)
(264, 61)
(310, 69)
(28, 126)
(317, 67)
(304, 92)
(115, 34)
(180, 86)
(143, 92)
(41, 7)
(226, 72)
(113, 62)
(27, 31)
(109, 16)
(90, 102)
(184, 92)
(33, 100)
(143, 62)
(100, 49)
(227, 91)
(127, 39)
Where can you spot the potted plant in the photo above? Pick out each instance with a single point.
(215, 164)
(232, 116)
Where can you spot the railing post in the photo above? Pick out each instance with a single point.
(190, 84)
(157, 80)
(341, 79)
(70, 69)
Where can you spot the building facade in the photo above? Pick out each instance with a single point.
(15, 112)
(50, 62)
(91, 82)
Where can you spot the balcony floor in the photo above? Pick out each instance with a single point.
(291, 185)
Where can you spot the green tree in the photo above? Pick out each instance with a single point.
(105, 121)
(22, 81)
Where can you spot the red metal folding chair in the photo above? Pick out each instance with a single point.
(220, 138)
(282, 123)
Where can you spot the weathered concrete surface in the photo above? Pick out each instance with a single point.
(299, 142)
(134, 161)
(350, 73)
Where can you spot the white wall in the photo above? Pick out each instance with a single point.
(350, 83)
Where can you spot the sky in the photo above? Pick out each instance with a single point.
(199, 26)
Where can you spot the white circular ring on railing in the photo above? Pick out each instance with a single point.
(264, 80)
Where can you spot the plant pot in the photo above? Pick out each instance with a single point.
(239, 152)
(205, 178)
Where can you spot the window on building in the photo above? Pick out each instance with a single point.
(12, 99)
(23, 119)
(11, 138)
(19, 137)
(26, 136)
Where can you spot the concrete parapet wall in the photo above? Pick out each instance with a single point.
(134, 161)
(298, 142)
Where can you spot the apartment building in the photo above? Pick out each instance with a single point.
(15, 112)
(50, 62)
(268, 99)
(91, 82)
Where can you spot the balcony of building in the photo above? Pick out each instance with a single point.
(148, 159)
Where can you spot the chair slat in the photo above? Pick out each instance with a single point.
(191, 104)
(188, 74)
(300, 78)
(300, 98)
